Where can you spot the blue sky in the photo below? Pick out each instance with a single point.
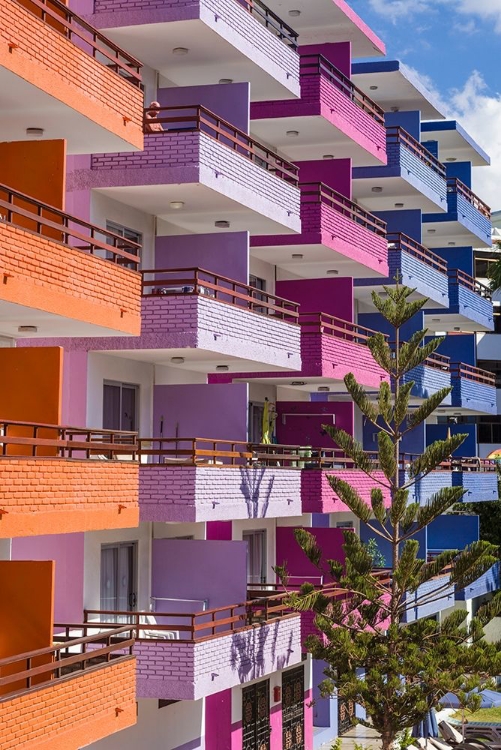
(455, 47)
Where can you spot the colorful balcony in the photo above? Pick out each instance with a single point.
(413, 178)
(337, 236)
(243, 37)
(467, 221)
(429, 599)
(473, 389)
(478, 476)
(64, 276)
(470, 302)
(71, 694)
(184, 656)
(430, 377)
(488, 583)
(214, 480)
(67, 78)
(63, 479)
(333, 115)
(238, 181)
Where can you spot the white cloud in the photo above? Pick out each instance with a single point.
(484, 10)
(487, 10)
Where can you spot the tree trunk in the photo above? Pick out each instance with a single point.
(388, 741)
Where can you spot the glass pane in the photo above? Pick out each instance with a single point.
(111, 407)
(128, 421)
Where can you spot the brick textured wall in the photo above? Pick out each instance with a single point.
(55, 64)
(333, 357)
(71, 713)
(474, 307)
(428, 380)
(319, 497)
(188, 493)
(50, 496)
(488, 582)
(427, 486)
(428, 608)
(467, 394)
(413, 168)
(481, 486)
(174, 670)
(52, 277)
(469, 215)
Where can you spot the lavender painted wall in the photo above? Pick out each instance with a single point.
(336, 173)
(331, 296)
(339, 54)
(216, 411)
(290, 553)
(198, 569)
(74, 397)
(68, 552)
(78, 202)
(306, 428)
(226, 253)
(229, 101)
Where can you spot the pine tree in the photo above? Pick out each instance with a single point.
(407, 666)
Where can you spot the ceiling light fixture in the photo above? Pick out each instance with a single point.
(323, 389)
(373, 88)
(225, 80)
(180, 51)
(451, 244)
(298, 382)
(222, 224)
(292, 133)
(395, 109)
(333, 272)
(328, 156)
(457, 328)
(431, 231)
(377, 189)
(297, 256)
(451, 158)
(399, 205)
(35, 132)
(177, 360)
(294, 13)
(176, 205)
(27, 329)
(222, 368)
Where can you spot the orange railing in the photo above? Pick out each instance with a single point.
(399, 136)
(401, 242)
(57, 15)
(456, 186)
(317, 192)
(319, 65)
(199, 119)
(457, 276)
(197, 281)
(272, 22)
(321, 323)
(32, 215)
(468, 372)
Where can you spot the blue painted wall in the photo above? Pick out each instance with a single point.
(384, 547)
(460, 348)
(453, 532)
(490, 581)
(461, 170)
(439, 432)
(457, 257)
(480, 486)
(468, 394)
(427, 486)
(430, 608)
(406, 221)
(409, 121)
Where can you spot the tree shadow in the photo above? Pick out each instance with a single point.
(257, 502)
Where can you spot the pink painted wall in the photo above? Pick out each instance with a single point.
(339, 54)
(218, 721)
(229, 101)
(226, 253)
(318, 496)
(68, 552)
(336, 173)
(306, 428)
(219, 530)
(290, 553)
(331, 296)
(74, 396)
(206, 411)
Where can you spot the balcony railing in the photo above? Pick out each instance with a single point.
(321, 323)
(318, 193)
(272, 22)
(197, 281)
(399, 136)
(456, 186)
(56, 14)
(464, 279)
(313, 65)
(34, 216)
(195, 118)
(401, 242)
(68, 656)
(28, 439)
(475, 374)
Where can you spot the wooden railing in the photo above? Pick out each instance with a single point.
(456, 186)
(399, 136)
(456, 276)
(199, 119)
(468, 372)
(317, 192)
(197, 281)
(67, 657)
(321, 323)
(272, 22)
(312, 65)
(472, 463)
(90, 40)
(32, 215)
(401, 242)
(29, 439)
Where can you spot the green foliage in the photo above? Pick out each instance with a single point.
(408, 665)
(377, 557)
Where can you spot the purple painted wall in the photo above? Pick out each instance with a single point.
(306, 427)
(298, 566)
(68, 552)
(331, 296)
(336, 173)
(219, 530)
(218, 721)
(77, 202)
(74, 406)
(229, 101)
(339, 54)
(227, 253)
(205, 411)
(198, 569)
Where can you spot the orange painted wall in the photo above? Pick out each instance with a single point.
(37, 168)
(26, 610)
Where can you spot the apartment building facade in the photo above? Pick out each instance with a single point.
(190, 246)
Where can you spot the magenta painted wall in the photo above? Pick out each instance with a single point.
(198, 569)
(205, 411)
(336, 173)
(339, 54)
(306, 428)
(331, 296)
(219, 530)
(218, 721)
(229, 101)
(290, 553)
(226, 253)
(68, 552)
(74, 406)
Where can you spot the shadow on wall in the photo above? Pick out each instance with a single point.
(252, 479)
(248, 652)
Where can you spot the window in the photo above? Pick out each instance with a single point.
(127, 234)
(256, 555)
(118, 577)
(489, 430)
(256, 411)
(260, 284)
(120, 406)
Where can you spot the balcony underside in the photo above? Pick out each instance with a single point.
(440, 320)
(440, 230)
(363, 292)
(397, 188)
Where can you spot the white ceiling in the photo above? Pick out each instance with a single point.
(396, 89)
(436, 322)
(395, 190)
(453, 146)
(316, 261)
(443, 233)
